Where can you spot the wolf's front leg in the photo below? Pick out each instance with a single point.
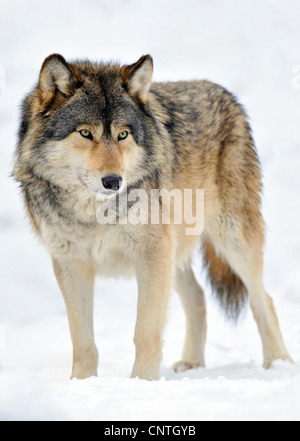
(155, 277)
(76, 281)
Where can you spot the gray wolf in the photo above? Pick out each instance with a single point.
(90, 128)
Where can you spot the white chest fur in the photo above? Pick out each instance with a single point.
(111, 248)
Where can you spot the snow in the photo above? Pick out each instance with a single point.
(250, 47)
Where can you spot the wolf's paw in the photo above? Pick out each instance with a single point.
(81, 371)
(145, 371)
(83, 374)
(182, 366)
(86, 365)
(268, 362)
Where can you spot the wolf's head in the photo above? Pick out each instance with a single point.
(87, 124)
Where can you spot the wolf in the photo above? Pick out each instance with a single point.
(90, 129)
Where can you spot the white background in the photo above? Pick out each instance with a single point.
(252, 48)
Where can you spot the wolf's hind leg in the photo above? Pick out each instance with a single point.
(245, 257)
(76, 281)
(193, 302)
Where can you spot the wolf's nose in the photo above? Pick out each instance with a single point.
(112, 182)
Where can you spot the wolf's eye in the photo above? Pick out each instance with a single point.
(86, 134)
(122, 135)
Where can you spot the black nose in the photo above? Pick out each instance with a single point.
(112, 182)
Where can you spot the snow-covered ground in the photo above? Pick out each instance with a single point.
(252, 48)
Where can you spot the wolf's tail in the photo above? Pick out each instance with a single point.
(226, 284)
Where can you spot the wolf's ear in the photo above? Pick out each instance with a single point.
(137, 77)
(57, 75)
